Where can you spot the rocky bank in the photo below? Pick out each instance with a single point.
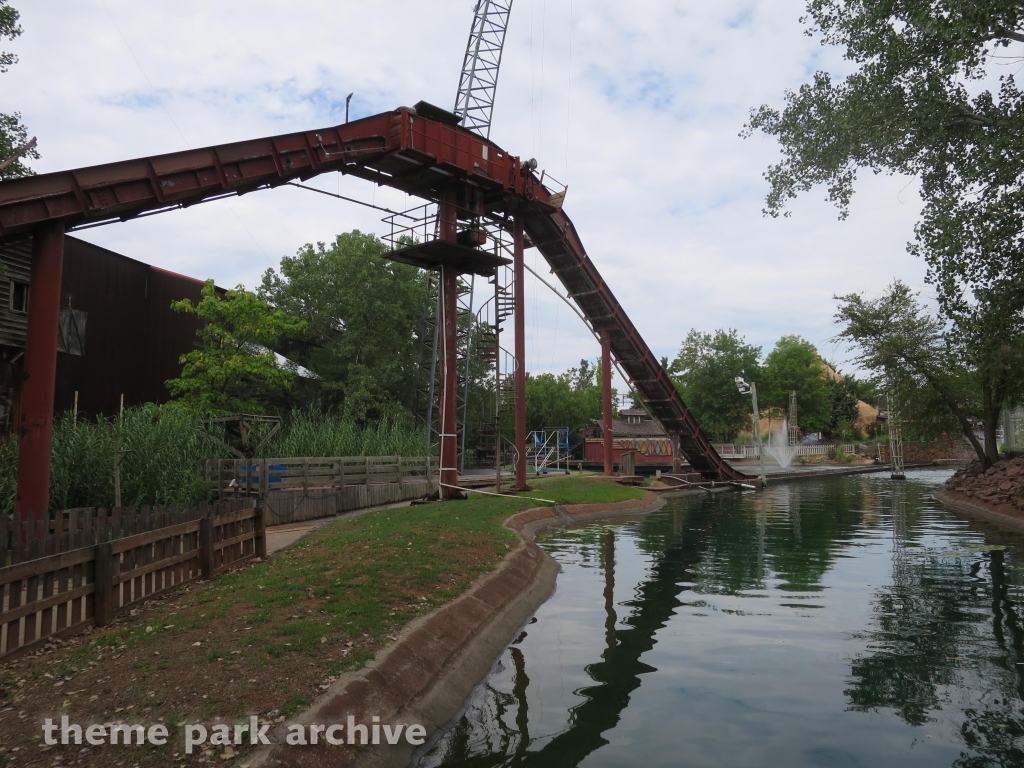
(1001, 486)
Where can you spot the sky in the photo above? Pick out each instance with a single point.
(636, 106)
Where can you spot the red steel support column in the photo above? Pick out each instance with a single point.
(519, 296)
(448, 404)
(606, 393)
(40, 370)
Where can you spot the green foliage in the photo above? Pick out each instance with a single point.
(363, 317)
(794, 364)
(8, 474)
(844, 409)
(935, 371)
(571, 399)
(164, 445)
(308, 432)
(907, 107)
(704, 372)
(233, 370)
(10, 29)
(920, 101)
(12, 133)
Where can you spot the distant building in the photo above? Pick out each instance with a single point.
(633, 431)
(118, 333)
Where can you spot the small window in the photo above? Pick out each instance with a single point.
(19, 297)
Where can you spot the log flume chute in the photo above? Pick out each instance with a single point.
(419, 150)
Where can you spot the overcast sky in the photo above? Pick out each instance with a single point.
(637, 106)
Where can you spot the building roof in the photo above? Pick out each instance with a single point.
(645, 428)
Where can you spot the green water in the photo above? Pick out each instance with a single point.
(841, 622)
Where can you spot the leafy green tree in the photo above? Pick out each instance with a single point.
(931, 362)
(704, 372)
(363, 316)
(571, 399)
(845, 410)
(926, 98)
(794, 364)
(13, 134)
(233, 369)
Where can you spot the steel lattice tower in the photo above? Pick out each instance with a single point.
(895, 435)
(794, 428)
(479, 80)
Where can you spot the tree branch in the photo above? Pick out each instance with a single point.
(24, 148)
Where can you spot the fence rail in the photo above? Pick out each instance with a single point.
(28, 536)
(63, 593)
(260, 477)
(730, 451)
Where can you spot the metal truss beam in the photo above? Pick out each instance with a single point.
(475, 100)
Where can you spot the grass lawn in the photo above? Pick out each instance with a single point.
(267, 638)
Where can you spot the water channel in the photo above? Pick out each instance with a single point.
(838, 622)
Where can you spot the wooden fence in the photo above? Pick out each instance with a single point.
(28, 536)
(63, 593)
(750, 451)
(258, 477)
(296, 489)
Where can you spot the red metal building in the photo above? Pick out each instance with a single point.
(118, 334)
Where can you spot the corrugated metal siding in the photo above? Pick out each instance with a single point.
(134, 339)
(16, 258)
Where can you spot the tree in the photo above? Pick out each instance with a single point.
(794, 364)
(571, 399)
(845, 411)
(704, 372)
(13, 135)
(233, 369)
(967, 370)
(363, 315)
(919, 103)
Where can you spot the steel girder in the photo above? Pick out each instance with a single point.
(400, 149)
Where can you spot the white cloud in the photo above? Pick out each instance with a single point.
(666, 196)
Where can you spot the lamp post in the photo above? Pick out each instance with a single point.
(751, 389)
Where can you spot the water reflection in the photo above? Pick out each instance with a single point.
(842, 622)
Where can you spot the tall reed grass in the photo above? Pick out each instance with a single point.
(310, 432)
(162, 449)
(165, 444)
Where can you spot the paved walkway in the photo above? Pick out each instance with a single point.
(281, 536)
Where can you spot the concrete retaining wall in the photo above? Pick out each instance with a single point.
(282, 507)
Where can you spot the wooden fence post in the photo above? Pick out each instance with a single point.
(105, 589)
(206, 547)
(261, 533)
(366, 477)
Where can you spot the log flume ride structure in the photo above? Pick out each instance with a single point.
(419, 150)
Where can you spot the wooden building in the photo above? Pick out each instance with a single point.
(118, 334)
(633, 431)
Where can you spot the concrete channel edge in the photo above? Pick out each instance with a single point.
(973, 507)
(428, 672)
